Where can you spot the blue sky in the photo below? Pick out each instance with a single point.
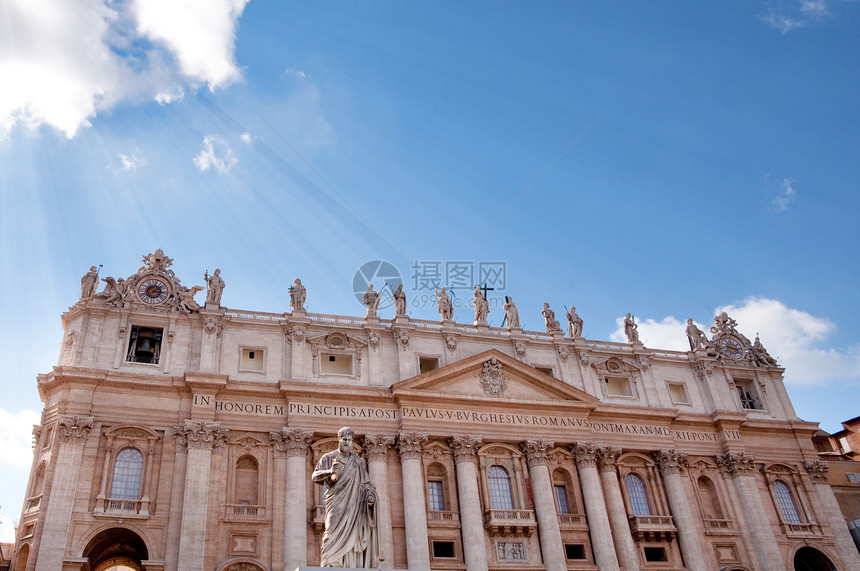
(664, 159)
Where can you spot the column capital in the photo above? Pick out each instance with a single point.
(817, 470)
(584, 453)
(536, 451)
(291, 442)
(409, 444)
(74, 429)
(607, 458)
(671, 461)
(203, 435)
(465, 447)
(736, 463)
(377, 446)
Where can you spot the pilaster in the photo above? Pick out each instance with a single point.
(818, 472)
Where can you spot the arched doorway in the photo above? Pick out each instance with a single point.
(809, 559)
(116, 549)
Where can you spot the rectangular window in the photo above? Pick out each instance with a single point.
(618, 386)
(144, 345)
(252, 360)
(561, 499)
(678, 392)
(545, 370)
(435, 500)
(575, 551)
(443, 550)
(427, 364)
(853, 477)
(334, 364)
(655, 554)
(748, 395)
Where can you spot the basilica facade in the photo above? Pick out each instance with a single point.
(179, 435)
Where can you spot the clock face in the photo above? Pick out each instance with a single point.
(152, 291)
(732, 348)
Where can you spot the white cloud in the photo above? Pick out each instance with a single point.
(16, 437)
(66, 62)
(131, 162)
(216, 154)
(298, 72)
(787, 15)
(795, 338)
(246, 138)
(200, 33)
(786, 197)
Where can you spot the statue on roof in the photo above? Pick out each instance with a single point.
(512, 315)
(298, 293)
(761, 356)
(371, 300)
(446, 309)
(574, 323)
(90, 283)
(399, 300)
(552, 325)
(696, 336)
(482, 307)
(216, 287)
(631, 329)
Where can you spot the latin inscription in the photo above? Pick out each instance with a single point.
(240, 407)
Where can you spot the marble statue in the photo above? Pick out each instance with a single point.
(512, 315)
(350, 538)
(630, 329)
(482, 307)
(399, 300)
(298, 293)
(111, 293)
(216, 288)
(185, 301)
(90, 283)
(760, 354)
(574, 323)
(696, 336)
(552, 325)
(446, 309)
(371, 300)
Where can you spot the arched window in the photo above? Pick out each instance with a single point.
(127, 471)
(710, 500)
(247, 481)
(636, 493)
(559, 491)
(499, 482)
(786, 502)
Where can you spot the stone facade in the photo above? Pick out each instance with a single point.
(182, 437)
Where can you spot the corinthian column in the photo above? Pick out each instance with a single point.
(818, 472)
(471, 522)
(607, 459)
(595, 508)
(377, 446)
(672, 464)
(547, 516)
(72, 433)
(740, 468)
(201, 438)
(295, 447)
(414, 504)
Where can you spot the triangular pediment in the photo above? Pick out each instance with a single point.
(495, 376)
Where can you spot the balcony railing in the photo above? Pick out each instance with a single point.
(318, 518)
(245, 510)
(719, 526)
(439, 518)
(652, 527)
(122, 507)
(572, 521)
(802, 528)
(510, 522)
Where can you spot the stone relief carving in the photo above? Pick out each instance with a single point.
(817, 471)
(465, 447)
(409, 444)
(69, 346)
(671, 461)
(377, 446)
(607, 458)
(510, 550)
(584, 453)
(520, 348)
(536, 451)
(451, 342)
(213, 326)
(563, 353)
(37, 434)
(402, 338)
(373, 339)
(493, 381)
(350, 499)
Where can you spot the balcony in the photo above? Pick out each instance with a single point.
(801, 529)
(318, 518)
(437, 518)
(719, 526)
(245, 510)
(652, 527)
(34, 503)
(122, 508)
(572, 522)
(510, 522)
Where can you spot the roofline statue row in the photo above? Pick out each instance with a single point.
(155, 286)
